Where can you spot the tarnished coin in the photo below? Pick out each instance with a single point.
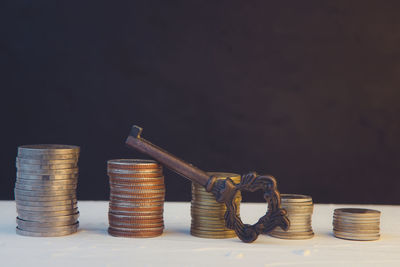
(133, 198)
(289, 198)
(131, 204)
(139, 214)
(30, 171)
(136, 188)
(132, 164)
(23, 214)
(46, 234)
(148, 228)
(49, 187)
(43, 183)
(22, 161)
(357, 237)
(50, 219)
(44, 167)
(136, 234)
(50, 229)
(48, 149)
(144, 181)
(46, 208)
(358, 212)
(45, 193)
(46, 177)
(213, 236)
(45, 157)
(23, 224)
(136, 226)
(20, 197)
(132, 219)
(46, 203)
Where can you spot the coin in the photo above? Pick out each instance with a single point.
(137, 234)
(41, 229)
(72, 218)
(33, 171)
(44, 183)
(20, 197)
(358, 212)
(45, 193)
(137, 181)
(46, 234)
(23, 224)
(49, 187)
(47, 213)
(22, 161)
(139, 214)
(46, 177)
(53, 149)
(132, 164)
(66, 219)
(212, 234)
(46, 203)
(46, 208)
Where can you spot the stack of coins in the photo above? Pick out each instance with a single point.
(299, 210)
(207, 214)
(356, 224)
(137, 194)
(45, 190)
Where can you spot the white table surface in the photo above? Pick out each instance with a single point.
(92, 246)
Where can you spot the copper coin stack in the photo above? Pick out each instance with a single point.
(207, 214)
(45, 190)
(137, 193)
(356, 224)
(299, 210)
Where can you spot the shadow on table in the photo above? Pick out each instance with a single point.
(94, 229)
(180, 230)
(7, 229)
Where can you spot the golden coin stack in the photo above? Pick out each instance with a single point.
(207, 214)
(299, 210)
(137, 193)
(356, 224)
(45, 190)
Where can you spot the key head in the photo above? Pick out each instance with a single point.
(225, 191)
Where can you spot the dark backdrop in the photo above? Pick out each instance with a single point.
(305, 90)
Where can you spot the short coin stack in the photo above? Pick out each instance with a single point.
(137, 193)
(207, 214)
(356, 224)
(45, 190)
(299, 211)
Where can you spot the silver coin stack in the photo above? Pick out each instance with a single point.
(356, 224)
(299, 211)
(45, 190)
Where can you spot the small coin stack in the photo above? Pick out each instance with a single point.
(137, 193)
(207, 214)
(356, 224)
(299, 211)
(45, 190)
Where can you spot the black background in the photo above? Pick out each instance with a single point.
(307, 91)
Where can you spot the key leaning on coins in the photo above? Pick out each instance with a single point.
(223, 190)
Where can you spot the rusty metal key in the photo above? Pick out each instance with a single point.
(223, 190)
